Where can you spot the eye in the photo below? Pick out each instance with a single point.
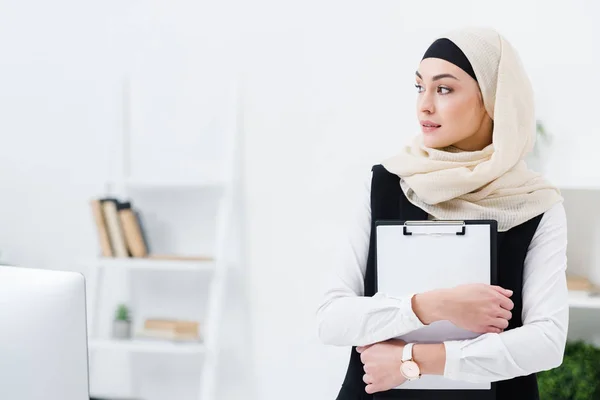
(419, 88)
(444, 90)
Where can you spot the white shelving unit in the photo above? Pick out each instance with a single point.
(150, 264)
(218, 185)
(148, 346)
(212, 270)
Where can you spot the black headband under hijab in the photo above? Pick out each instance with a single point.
(446, 50)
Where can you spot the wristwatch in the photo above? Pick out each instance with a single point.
(409, 368)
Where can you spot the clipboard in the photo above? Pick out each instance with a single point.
(418, 256)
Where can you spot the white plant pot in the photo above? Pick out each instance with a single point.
(121, 329)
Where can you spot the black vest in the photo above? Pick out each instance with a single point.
(389, 202)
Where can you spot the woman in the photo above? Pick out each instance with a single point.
(475, 107)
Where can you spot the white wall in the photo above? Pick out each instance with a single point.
(331, 93)
(58, 117)
(61, 125)
(61, 75)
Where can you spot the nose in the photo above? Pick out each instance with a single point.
(425, 103)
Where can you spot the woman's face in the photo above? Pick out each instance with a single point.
(450, 107)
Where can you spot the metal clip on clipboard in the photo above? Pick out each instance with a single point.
(460, 227)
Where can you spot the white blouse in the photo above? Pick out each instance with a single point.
(346, 318)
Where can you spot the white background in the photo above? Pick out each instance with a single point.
(329, 92)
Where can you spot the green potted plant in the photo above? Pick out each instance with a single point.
(122, 323)
(578, 378)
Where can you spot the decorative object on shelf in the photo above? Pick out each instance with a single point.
(170, 329)
(536, 159)
(578, 378)
(122, 323)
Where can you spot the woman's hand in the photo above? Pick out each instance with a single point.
(480, 308)
(475, 307)
(382, 365)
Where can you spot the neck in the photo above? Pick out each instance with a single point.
(480, 140)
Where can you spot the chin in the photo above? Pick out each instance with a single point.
(435, 142)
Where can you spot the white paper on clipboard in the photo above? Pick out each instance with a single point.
(422, 262)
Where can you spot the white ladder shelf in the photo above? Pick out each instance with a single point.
(226, 180)
(213, 269)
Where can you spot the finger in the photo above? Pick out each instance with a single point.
(368, 379)
(500, 323)
(501, 290)
(506, 303)
(367, 368)
(370, 389)
(488, 329)
(492, 329)
(502, 313)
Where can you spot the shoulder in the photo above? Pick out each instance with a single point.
(552, 226)
(360, 183)
(554, 218)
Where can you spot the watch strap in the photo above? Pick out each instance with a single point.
(407, 352)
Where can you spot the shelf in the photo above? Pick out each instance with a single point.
(581, 299)
(152, 264)
(147, 346)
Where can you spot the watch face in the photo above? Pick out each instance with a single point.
(410, 370)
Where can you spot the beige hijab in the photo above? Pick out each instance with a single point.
(493, 183)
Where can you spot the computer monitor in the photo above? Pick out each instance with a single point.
(43, 335)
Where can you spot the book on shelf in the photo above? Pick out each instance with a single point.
(119, 228)
(132, 230)
(170, 329)
(115, 229)
(122, 235)
(102, 227)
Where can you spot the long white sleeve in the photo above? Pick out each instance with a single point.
(539, 344)
(345, 317)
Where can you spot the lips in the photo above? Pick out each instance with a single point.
(429, 126)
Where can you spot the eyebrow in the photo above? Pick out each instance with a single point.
(437, 77)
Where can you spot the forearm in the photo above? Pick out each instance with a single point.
(431, 306)
(489, 358)
(431, 358)
(494, 357)
(359, 321)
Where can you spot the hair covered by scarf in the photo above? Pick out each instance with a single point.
(495, 182)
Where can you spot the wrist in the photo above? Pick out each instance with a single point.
(430, 306)
(431, 358)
